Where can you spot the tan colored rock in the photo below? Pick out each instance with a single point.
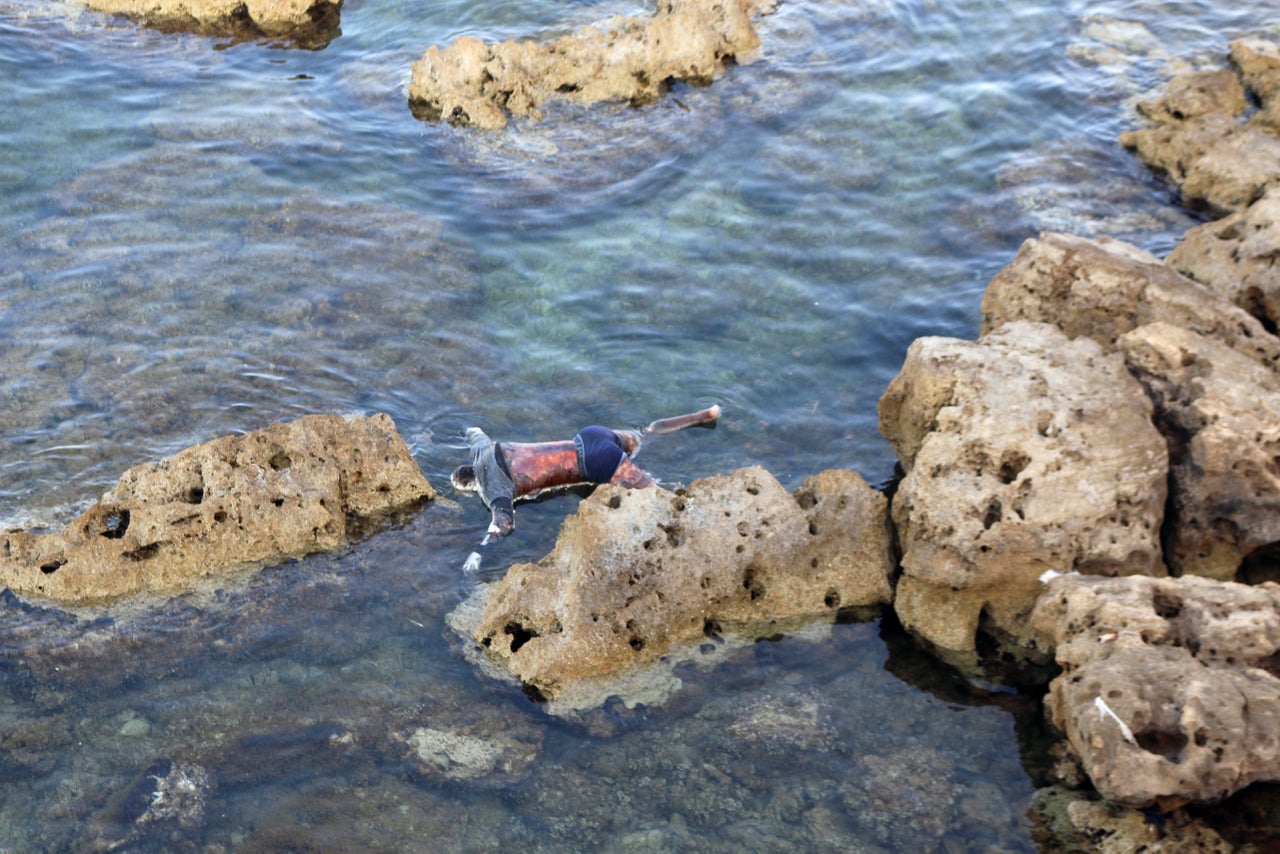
(1168, 690)
(1024, 452)
(1217, 160)
(1258, 61)
(284, 491)
(636, 574)
(1237, 255)
(1103, 288)
(314, 22)
(621, 59)
(1221, 412)
(1197, 93)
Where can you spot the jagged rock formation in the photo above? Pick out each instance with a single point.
(1208, 365)
(1024, 452)
(284, 491)
(312, 23)
(1236, 257)
(621, 59)
(1221, 413)
(637, 573)
(1103, 288)
(1201, 139)
(1168, 691)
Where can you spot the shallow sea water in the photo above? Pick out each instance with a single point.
(201, 237)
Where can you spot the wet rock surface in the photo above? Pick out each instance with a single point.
(636, 574)
(1073, 822)
(306, 23)
(287, 490)
(1024, 452)
(621, 59)
(1201, 140)
(163, 806)
(1168, 691)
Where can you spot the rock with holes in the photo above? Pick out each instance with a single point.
(1238, 256)
(1200, 142)
(638, 575)
(284, 491)
(1024, 452)
(622, 59)
(311, 23)
(1104, 288)
(1220, 411)
(1167, 690)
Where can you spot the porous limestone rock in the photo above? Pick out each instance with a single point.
(1168, 690)
(1024, 452)
(1221, 413)
(1237, 257)
(621, 59)
(636, 574)
(1258, 61)
(1215, 158)
(1104, 288)
(311, 22)
(287, 490)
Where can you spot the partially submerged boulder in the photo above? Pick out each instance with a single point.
(1199, 140)
(284, 491)
(1024, 452)
(621, 59)
(637, 574)
(1168, 691)
(1221, 413)
(311, 23)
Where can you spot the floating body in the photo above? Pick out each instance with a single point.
(505, 472)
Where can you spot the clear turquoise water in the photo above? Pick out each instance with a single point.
(201, 238)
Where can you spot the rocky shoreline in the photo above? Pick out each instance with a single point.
(1116, 423)
(1087, 505)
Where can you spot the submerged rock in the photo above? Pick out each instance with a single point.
(474, 753)
(637, 574)
(1072, 822)
(163, 806)
(1168, 691)
(284, 491)
(621, 59)
(310, 23)
(1024, 452)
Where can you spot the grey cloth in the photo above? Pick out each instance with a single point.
(495, 486)
(491, 480)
